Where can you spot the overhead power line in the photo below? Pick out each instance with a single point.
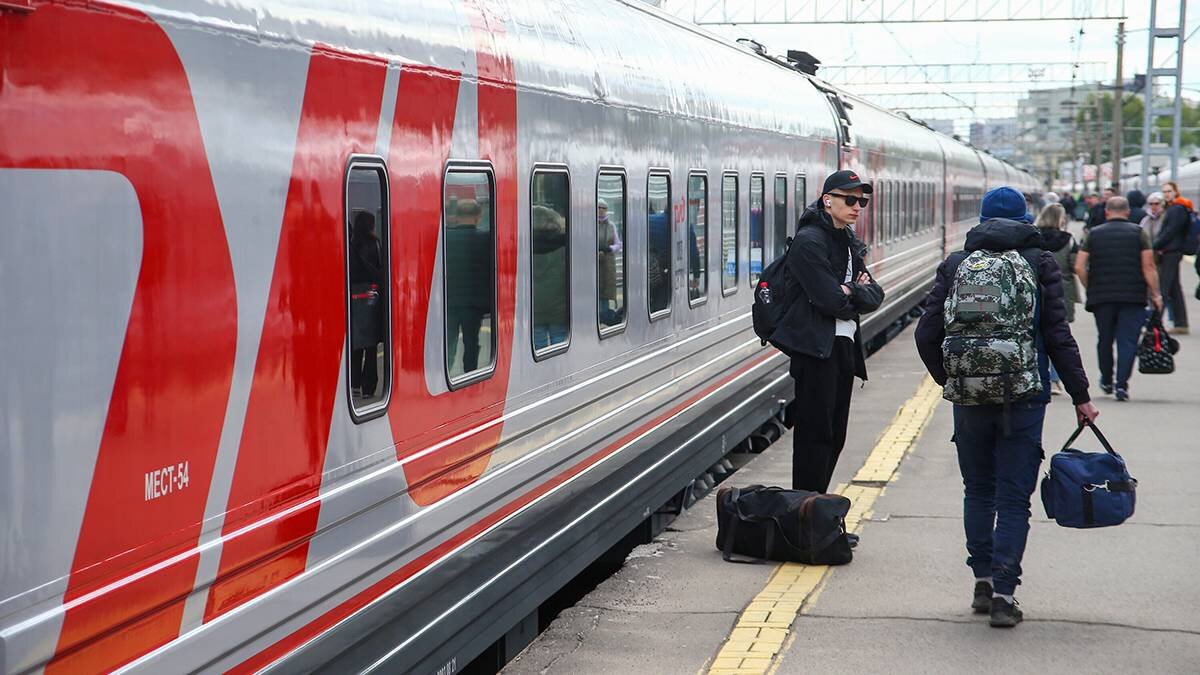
(948, 73)
(765, 12)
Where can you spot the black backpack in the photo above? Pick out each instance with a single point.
(773, 296)
(772, 523)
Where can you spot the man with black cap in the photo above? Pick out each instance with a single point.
(820, 330)
(995, 318)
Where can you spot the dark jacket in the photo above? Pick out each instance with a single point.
(366, 261)
(1137, 202)
(1063, 246)
(1176, 222)
(1096, 215)
(1115, 264)
(1054, 339)
(817, 261)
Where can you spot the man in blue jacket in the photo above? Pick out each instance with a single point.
(820, 329)
(999, 445)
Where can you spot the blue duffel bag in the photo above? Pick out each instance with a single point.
(1088, 489)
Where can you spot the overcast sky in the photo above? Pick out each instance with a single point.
(999, 42)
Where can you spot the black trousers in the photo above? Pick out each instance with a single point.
(823, 389)
(1172, 290)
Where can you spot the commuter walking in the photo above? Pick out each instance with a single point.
(1096, 207)
(1002, 284)
(820, 330)
(1068, 204)
(1154, 214)
(1137, 203)
(1116, 266)
(1168, 244)
(1052, 223)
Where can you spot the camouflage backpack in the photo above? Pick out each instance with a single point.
(989, 350)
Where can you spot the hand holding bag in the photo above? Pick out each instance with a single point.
(1088, 489)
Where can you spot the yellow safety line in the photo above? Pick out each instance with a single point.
(764, 625)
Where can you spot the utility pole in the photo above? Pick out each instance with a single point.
(1098, 113)
(1118, 106)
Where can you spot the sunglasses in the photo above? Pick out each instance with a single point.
(851, 200)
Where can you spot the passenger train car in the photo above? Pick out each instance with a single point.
(317, 351)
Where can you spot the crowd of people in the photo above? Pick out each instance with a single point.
(994, 333)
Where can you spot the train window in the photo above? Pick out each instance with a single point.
(697, 234)
(549, 243)
(909, 208)
(779, 223)
(469, 273)
(801, 196)
(890, 216)
(368, 285)
(610, 252)
(758, 189)
(658, 244)
(729, 233)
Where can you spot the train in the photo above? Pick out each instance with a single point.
(319, 352)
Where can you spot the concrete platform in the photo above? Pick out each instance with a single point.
(1120, 599)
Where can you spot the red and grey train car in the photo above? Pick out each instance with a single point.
(197, 474)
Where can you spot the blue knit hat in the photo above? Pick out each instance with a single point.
(1004, 202)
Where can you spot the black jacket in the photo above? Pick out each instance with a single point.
(1115, 264)
(1137, 201)
(1173, 230)
(1054, 333)
(1096, 215)
(817, 261)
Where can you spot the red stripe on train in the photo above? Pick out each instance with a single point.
(284, 440)
(363, 598)
(103, 89)
(415, 412)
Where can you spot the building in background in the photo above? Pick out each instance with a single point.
(998, 136)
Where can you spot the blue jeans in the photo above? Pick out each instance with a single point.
(1121, 322)
(548, 335)
(999, 474)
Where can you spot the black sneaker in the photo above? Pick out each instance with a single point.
(982, 604)
(1004, 613)
(852, 539)
(1122, 395)
(1106, 388)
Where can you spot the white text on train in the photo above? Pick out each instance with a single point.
(164, 481)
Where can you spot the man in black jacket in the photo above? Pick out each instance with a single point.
(1168, 244)
(1096, 210)
(820, 329)
(999, 445)
(1116, 266)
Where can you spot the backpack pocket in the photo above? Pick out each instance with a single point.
(992, 369)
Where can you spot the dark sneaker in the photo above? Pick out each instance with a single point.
(1122, 395)
(852, 538)
(982, 604)
(1004, 613)
(1106, 388)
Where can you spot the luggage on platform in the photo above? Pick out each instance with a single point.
(1156, 352)
(772, 523)
(1088, 489)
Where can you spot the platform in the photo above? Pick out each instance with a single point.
(1120, 599)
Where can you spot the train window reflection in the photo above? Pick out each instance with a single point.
(610, 252)
(801, 197)
(697, 231)
(729, 233)
(549, 240)
(658, 244)
(757, 195)
(368, 286)
(470, 274)
(779, 223)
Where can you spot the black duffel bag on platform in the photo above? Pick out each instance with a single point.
(772, 523)
(1156, 352)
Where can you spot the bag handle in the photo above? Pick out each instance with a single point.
(1096, 430)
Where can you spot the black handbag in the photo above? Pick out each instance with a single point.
(771, 523)
(1156, 351)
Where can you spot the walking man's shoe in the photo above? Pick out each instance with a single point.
(1005, 614)
(1178, 330)
(1122, 395)
(983, 598)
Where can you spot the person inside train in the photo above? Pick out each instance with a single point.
(470, 274)
(1116, 266)
(367, 297)
(999, 444)
(549, 249)
(1169, 244)
(821, 328)
(609, 248)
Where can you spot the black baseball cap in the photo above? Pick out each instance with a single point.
(845, 180)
